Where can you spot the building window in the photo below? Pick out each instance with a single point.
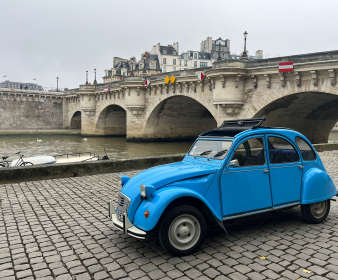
(195, 63)
(164, 51)
(185, 63)
(203, 64)
(174, 61)
(204, 46)
(164, 61)
(164, 69)
(174, 52)
(174, 69)
(141, 66)
(180, 62)
(152, 66)
(195, 55)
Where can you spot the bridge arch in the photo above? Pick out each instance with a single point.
(75, 121)
(112, 121)
(178, 117)
(314, 114)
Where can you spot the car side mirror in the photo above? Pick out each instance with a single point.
(233, 163)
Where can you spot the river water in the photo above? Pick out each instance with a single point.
(116, 147)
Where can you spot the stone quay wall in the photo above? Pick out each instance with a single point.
(25, 109)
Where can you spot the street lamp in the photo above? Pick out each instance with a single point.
(245, 55)
(95, 82)
(219, 40)
(57, 84)
(86, 77)
(144, 72)
(132, 69)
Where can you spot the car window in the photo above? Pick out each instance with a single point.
(215, 149)
(250, 152)
(281, 151)
(305, 149)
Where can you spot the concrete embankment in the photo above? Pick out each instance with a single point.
(41, 132)
(54, 171)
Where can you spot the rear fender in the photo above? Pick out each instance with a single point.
(158, 203)
(317, 186)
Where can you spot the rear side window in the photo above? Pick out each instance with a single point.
(281, 151)
(306, 150)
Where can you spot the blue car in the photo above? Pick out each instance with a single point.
(238, 169)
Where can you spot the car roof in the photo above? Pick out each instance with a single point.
(246, 127)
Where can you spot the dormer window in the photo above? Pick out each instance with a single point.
(195, 55)
(164, 51)
(152, 66)
(174, 52)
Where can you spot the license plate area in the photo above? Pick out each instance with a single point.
(119, 215)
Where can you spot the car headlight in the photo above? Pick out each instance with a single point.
(146, 190)
(124, 179)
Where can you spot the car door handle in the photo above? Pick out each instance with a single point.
(301, 166)
(266, 170)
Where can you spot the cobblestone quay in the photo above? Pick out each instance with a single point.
(58, 229)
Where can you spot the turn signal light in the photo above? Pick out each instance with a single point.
(146, 214)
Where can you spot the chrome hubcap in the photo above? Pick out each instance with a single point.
(318, 209)
(184, 232)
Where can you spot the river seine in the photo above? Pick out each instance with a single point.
(116, 147)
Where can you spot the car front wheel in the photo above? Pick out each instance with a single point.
(316, 213)
(182, 230)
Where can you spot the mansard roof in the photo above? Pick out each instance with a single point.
(170, 49)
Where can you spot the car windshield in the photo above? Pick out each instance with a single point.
(215, 149)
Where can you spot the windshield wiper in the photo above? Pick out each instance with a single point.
(220, 153)
(204, 153)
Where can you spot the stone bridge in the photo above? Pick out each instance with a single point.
(305, 99)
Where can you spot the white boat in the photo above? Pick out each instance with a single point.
(76, 157)
(38, 160)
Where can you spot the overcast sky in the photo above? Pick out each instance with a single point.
(47, 39)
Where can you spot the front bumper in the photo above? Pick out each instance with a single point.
(125, 225)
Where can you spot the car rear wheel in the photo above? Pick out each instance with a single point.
(316, 213)
(182, 230)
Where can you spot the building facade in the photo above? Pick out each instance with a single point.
(167, 56)
(18, 85)
(148, 65)
(194, 59)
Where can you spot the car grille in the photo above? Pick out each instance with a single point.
(122, 205)
(121, 201)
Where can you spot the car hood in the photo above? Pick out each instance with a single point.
(160, 176)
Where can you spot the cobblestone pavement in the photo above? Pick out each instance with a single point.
(59, 229)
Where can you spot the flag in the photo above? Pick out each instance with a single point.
(106, 89)
(34, 79)
(5, 76)
(286, 66)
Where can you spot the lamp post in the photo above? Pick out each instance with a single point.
(144, 72)
(132, 68)
(57, 84)
(219, 40)
(95, 82)
(245, 55)
(86, 77)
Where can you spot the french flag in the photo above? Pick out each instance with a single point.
(5, 76)
(286, 66)
(34, 79)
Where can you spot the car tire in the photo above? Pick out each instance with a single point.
(182, 230)
(316, 213)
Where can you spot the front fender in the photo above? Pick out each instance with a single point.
(159, 202)
(317, 186)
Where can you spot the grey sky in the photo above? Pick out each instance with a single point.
(44, 39)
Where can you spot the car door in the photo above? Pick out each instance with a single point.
(285, 170)
(245, 186)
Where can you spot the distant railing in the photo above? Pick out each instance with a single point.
(92, 155)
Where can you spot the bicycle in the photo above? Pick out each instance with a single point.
(20, 162)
